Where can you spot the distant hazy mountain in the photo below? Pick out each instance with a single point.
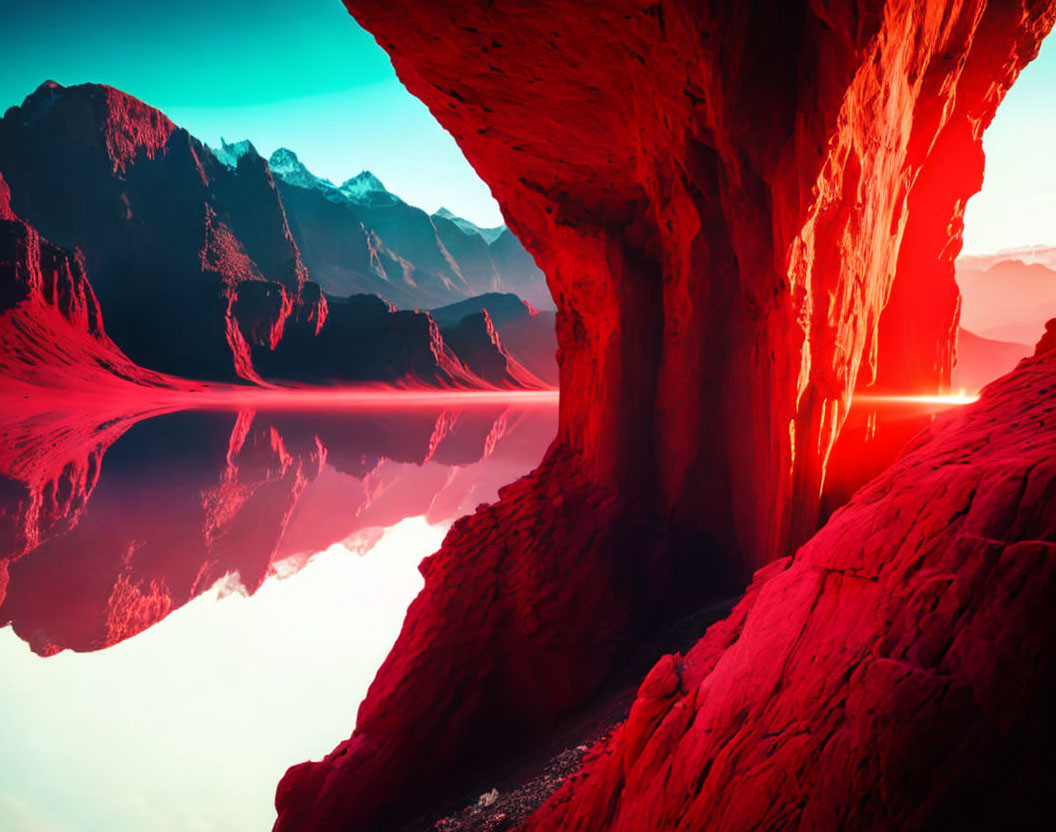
(358, 237)
(981, 360)
(1043, 254)
(1007, 298)
(489, 234)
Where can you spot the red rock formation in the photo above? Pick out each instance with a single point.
(724, 198)
(96, 169)
(527, 333)
(897, 673)
(714, 223)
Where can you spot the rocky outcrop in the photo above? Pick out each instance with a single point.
(476, 341)
(895, 674)
(1047, 342)
(693, 250)
(51, 325)
(528, 334)
(744, 214)
(366, 340)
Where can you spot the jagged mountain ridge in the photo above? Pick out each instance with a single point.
(359, 237)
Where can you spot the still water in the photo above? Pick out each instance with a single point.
(197, 600)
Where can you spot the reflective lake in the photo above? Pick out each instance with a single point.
(194, 601)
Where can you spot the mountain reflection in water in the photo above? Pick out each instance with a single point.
(301, 531)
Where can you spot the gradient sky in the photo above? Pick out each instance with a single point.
(305, 75)
(1017, 205)
(298, 74)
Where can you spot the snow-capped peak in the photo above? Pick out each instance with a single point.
(230, 152)
(490, 235)
(291, 170)
(362, 183)
(366, 189)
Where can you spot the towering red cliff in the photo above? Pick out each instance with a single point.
(744, 211)
(721, 196)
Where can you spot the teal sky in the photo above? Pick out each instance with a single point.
(298, 74)
(306, 76)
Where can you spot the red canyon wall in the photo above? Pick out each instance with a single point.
(723, 196)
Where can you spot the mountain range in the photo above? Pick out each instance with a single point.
(358, 237)
(1008, 296)
(194, 255)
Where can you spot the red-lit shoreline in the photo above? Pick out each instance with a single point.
(219, 397)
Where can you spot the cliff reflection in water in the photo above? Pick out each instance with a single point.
(128, 524)
(111, 522)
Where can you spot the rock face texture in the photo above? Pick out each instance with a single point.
(895, 674)
(725, 226)
(190, 253)
(745, 213)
